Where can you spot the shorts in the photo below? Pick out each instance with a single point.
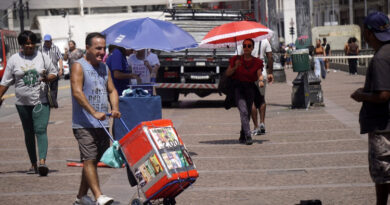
(93, 142)
(260, 95)
(379, 157)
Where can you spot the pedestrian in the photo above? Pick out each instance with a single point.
(265, 50)
(374, 115)
(142, 66)
(245, 70)
(92, 91)
(288, 53)
(326, 46)
(72, 54)
(352, 50)
(56, 57)
(319, 64)
(155, 62)
(282, 55)
(119, 68)
(29, 70)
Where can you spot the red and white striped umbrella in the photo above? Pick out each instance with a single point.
(231, 34)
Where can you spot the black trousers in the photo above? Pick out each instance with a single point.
(352, 63)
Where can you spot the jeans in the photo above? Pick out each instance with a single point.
(319, 67)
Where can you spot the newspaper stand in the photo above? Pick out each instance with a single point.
(159, 161)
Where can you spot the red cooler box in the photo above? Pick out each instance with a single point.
(158, 159)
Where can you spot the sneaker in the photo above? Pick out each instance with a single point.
(262, 128)
(85, 200)
(104, 200)
(255, 131)
(32, 170)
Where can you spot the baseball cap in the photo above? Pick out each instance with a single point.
(378, 23)
(47, 37)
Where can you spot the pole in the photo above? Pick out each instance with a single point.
(365, 7)
(332, 19)
(263, 12)
(21, 15)
(82, 7)
(256, 7)
(350, 12)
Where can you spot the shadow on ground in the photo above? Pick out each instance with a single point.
(189, 104)
(230, 141)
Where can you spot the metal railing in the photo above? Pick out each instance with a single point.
(363, 57)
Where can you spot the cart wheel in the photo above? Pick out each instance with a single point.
(136, 201)
(169, 201)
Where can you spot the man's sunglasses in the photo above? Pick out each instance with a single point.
(247, 45)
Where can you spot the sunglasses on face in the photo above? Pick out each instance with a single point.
(247, 45)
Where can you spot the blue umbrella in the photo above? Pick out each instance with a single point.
(147, 33)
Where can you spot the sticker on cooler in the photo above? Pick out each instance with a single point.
(165, 137)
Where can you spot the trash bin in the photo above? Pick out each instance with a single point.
(300, 91)
(300, 60)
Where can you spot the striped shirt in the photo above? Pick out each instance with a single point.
(53, 52)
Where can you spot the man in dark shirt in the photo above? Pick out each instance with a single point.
(326, 46)
(374, 115)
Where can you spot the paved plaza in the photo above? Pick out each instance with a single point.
(314, 153)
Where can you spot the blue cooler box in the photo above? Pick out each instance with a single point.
(135, 110)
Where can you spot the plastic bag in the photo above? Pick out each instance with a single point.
(112, 157)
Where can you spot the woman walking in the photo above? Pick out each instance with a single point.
(29, 70)
(245, 70)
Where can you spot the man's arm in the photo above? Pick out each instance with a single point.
(3, 89)
(114, 99)
(77, 81)
(377, 97)
(66, 55)
(61, 69)
(270, 67)
(121, 76)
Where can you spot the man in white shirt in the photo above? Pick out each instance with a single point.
(143, 65)
(259, 102)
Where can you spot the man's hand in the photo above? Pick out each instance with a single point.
(358, 95)
(261, 83)
(270, 78)
(60, 72)
(99, 115)
(115, 114)
(147, 64)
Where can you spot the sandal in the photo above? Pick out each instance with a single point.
(43, 170)
(32, 170)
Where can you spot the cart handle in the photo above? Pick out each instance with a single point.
(108, 133)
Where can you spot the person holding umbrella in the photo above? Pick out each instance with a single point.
(245, 70)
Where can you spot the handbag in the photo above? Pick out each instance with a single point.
(225, 84)
(52, 102)
(50, 99)
(112, 156)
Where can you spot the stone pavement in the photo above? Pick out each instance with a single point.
(316, 153)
